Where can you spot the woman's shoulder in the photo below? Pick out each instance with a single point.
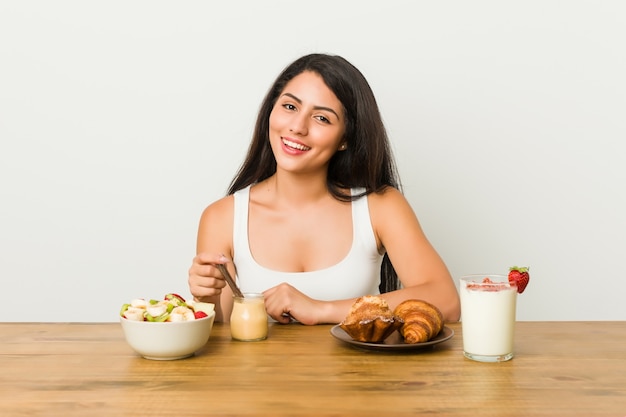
(388, 203)
(388, 196)
(215, 230)
(220, 210)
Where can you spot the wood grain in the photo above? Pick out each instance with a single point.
(560, 369)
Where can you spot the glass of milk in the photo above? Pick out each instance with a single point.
(488, 304)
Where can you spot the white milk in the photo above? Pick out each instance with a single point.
(488, 319)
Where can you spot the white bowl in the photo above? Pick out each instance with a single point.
(168, 340)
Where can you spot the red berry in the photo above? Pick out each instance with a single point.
(486, 285)
(173, 295)
(520, 277)
(200, 314)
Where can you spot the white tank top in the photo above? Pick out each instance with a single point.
(356, 275)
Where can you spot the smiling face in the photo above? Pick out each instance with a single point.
(306, 125)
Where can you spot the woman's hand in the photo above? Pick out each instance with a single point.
(205, 280)
(284, 303)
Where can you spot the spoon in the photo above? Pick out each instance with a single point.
(230, 281)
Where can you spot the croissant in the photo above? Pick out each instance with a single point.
(422, 320)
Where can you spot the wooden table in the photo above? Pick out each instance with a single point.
(560, 369)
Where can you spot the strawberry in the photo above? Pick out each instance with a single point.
(519, 276)
(174, 296)
(200, 314)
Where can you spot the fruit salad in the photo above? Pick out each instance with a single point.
(171, 308)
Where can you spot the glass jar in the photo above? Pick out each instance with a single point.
(248, 321)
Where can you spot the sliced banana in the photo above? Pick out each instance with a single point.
(181, 313)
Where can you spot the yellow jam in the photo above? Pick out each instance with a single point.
(248, 321)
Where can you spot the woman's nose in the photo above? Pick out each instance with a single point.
(299, 124)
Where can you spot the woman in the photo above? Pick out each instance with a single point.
(314, 218)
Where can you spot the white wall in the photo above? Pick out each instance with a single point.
(121, 120)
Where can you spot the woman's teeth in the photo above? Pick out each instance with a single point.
(295, 145)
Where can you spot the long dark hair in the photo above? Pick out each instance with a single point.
(367, 161)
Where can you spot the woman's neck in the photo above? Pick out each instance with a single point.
(296, 190)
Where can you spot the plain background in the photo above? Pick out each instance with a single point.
(121, 120)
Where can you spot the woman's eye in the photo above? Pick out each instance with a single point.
(323, 119)
(289, 106)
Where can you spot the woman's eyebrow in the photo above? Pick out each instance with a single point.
(315, 107)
